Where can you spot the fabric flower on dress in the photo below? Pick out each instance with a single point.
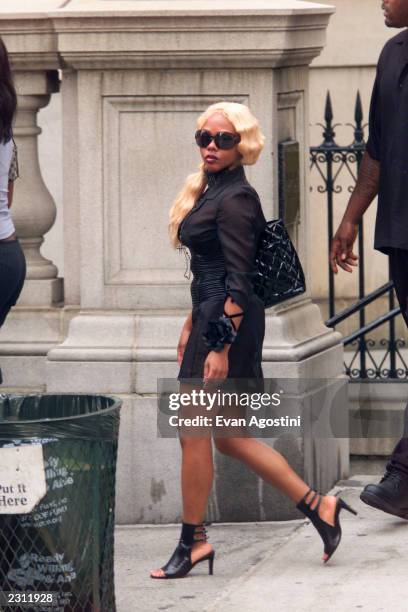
(219, 333)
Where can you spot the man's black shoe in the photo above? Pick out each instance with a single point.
(389, 495)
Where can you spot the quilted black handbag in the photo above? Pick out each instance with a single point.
(279, 275)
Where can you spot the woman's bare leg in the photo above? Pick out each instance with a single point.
(266, 462)
(197, 473)
(273, 468)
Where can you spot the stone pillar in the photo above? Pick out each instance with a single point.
(126, 72)
(34, 210)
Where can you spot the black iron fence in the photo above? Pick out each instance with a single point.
(368, 358)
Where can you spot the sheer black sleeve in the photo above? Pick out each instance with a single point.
(239, 222)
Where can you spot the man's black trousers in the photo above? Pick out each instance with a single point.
(399, 274)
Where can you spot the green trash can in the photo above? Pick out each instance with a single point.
(57, 500)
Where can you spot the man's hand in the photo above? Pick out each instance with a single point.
(368, 181)
(341, 251)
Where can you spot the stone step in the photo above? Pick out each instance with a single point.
(376, 416)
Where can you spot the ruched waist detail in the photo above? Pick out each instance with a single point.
(209, 278)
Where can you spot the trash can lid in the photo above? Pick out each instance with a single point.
(64, 415)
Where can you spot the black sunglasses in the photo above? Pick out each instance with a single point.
(223, 140)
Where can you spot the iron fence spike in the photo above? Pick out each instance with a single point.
(358, 111)
(328, 114)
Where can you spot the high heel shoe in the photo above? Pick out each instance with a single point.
(331, 535)
(180, 563)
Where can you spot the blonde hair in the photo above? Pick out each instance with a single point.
(250, 147)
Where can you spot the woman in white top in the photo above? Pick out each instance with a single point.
(12, 260)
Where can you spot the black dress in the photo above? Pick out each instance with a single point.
(222, 232)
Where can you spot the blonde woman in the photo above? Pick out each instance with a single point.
(218, 216)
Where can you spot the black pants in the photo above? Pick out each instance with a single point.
(12, 275)
(399, 274)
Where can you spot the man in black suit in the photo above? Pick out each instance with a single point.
(384, 172)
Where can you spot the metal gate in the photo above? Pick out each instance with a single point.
(365, 360)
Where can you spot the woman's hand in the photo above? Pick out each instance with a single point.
(216, 365)
(184, 336)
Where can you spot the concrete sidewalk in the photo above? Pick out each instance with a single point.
(272, 566)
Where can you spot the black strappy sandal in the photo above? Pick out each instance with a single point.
(180, 563)
(331, 535)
